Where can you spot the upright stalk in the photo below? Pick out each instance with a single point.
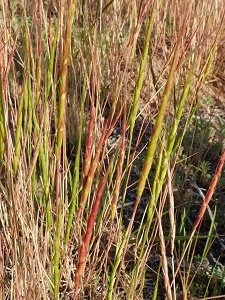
(59, 141)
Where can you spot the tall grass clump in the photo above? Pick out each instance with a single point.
(101, 120)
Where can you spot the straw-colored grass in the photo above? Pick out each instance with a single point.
(103, 117)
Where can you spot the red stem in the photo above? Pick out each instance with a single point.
(211, 190)
(86, 240)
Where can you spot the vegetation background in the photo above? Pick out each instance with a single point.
(111, 127)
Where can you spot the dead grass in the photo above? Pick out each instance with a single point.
(105, 50)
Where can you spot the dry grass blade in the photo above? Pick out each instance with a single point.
(99, 102)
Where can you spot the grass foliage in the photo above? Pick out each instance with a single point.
(105, 111)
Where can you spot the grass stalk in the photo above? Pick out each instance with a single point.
(156, 131)
(83, 252)
(44, 157)
(92, 220)
(74, 196)
(59, 141)
(203, 208)
(140, 79)
(169, 148)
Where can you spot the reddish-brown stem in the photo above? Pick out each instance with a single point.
(206, 201)
(211, 190)
(86, 240)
